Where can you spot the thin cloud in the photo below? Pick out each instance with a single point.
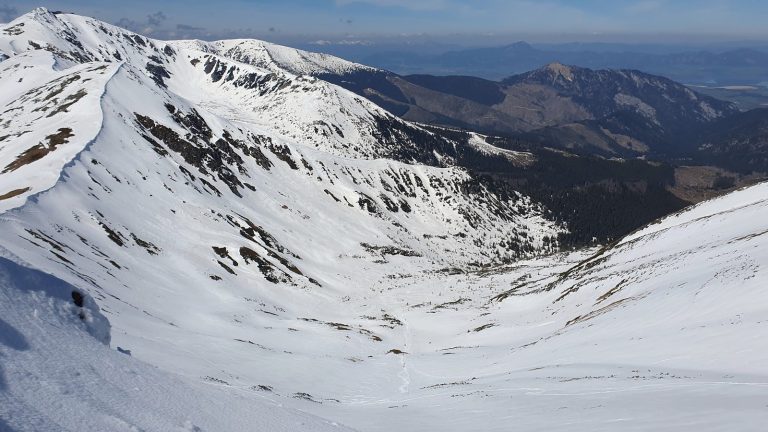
(189, 28)
(546, 18)
(156, 18)
(128, 24)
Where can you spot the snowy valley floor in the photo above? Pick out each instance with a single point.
(665, 331)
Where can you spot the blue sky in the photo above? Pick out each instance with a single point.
(217, 18)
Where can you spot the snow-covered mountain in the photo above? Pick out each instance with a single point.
(277, 58)
(266, 238)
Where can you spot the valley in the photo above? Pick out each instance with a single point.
(210, 236)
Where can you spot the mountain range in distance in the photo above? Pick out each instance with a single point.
(603, 114)
(732, 71)
(701, 66)
(235, 235)
(626, 146)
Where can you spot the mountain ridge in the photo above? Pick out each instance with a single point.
(262, 242)
(538, 99)
(691, 65)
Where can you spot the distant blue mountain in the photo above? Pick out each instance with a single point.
(737, 66)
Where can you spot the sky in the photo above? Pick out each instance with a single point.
(350, 19)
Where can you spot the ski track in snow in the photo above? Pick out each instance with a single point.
(404, 375)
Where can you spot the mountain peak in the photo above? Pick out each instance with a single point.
(559, 69)
(38, 13)
(520, 46)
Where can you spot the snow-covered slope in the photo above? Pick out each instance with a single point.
(229, 209)
(56, 373)
(48, 117)
(666, 330)
(279, 58)
(257, 233)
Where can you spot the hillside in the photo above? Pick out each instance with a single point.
(58, 373)
(622, 112)
(592, 115)
(202, 236)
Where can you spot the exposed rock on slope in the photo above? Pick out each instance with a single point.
(262, 234)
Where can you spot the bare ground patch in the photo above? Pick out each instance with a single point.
(40, 150)
(13, 193)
